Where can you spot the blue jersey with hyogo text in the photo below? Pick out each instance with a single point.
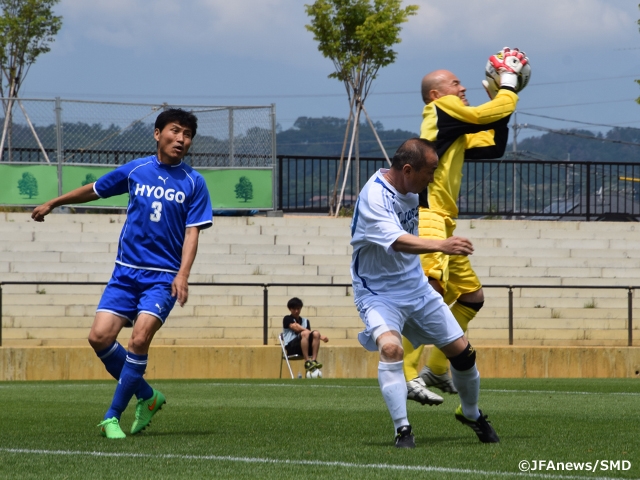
(163, 201)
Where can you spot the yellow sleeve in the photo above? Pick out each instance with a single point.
(502, 105)
(481, 139)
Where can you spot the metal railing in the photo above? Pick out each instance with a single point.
(265, 300)
(515, 188)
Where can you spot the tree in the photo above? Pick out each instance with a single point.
(90, 178)
(244, 189)
(28, 185)
(358, 36)
(27, 28)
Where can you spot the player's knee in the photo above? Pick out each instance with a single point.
(472, 305)
(139, 343)
(391, 352)
(316, 334)
(99, 341)
(464, 360)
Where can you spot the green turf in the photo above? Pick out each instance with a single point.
(314, 429)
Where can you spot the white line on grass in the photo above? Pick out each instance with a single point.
(317, 463)
(313, 385)
(376, 387)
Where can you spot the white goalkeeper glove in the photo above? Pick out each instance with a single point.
(491, 87)
(508, 64)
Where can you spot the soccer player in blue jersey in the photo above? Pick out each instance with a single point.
(168, 206)
(393, 295)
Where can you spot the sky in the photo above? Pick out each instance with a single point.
(584, 55)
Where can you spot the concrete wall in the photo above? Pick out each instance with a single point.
(184, 362)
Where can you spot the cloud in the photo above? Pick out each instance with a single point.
(270, 29)
(543, 25)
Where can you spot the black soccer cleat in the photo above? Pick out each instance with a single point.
(481, 426)
(404, 438)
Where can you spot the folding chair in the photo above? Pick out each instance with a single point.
(287, 357)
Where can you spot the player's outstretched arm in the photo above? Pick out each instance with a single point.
(416, 245)
(180, 285)
(83, 194)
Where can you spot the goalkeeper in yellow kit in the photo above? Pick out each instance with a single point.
(459, 131)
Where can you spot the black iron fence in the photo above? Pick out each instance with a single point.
(515, 188)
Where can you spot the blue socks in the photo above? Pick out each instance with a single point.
(113, 358)
(128, 384)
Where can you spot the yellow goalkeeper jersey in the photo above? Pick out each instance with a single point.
(460, 131)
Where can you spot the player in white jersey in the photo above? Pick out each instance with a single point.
(393, 295)
(168, 206)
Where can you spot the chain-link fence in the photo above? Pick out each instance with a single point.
(110, 133)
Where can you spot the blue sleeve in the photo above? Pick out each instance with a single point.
(200, 211)
(116, 182)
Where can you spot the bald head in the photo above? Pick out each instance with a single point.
(440, 83)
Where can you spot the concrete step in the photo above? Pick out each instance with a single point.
(256, 270)
(531, 252)
(321, 249)
(326, 260)
(20, 247)
(540, 272)
(304, 240)
(590, 253)
(577, 262)
(482, 323)
(62, 268)
(214, 238)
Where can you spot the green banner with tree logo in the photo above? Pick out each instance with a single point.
(248, 188)
(28, 184)
(35, 184)
(74, 176)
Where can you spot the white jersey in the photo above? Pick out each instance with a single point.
(381, 216)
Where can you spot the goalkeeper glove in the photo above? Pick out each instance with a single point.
(509, 64)
(491, 87)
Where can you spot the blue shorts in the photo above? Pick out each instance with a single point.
(132, 291)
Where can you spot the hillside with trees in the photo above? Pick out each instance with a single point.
(324, 137)
(613, 146)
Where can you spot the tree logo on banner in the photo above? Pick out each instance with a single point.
(90, 178)
(28, 185)
(244, 189)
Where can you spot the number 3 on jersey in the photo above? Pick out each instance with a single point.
(157, 211)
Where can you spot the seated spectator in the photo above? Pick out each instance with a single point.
(298, 337)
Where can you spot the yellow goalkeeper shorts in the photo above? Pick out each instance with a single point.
(453, 272)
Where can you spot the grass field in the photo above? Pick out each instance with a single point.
(317, 429)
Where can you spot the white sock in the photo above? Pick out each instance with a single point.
(467, 383)
(394, 391)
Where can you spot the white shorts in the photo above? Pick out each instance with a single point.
(426, 320)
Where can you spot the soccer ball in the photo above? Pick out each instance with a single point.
(493, 77)
(315, 373)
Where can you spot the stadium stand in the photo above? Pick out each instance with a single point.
(315, 250)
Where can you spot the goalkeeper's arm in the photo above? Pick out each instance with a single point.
(486, 145)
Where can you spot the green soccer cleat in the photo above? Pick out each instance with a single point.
(484, 430)
(110, 428)
(316, 364)
(145, 410)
